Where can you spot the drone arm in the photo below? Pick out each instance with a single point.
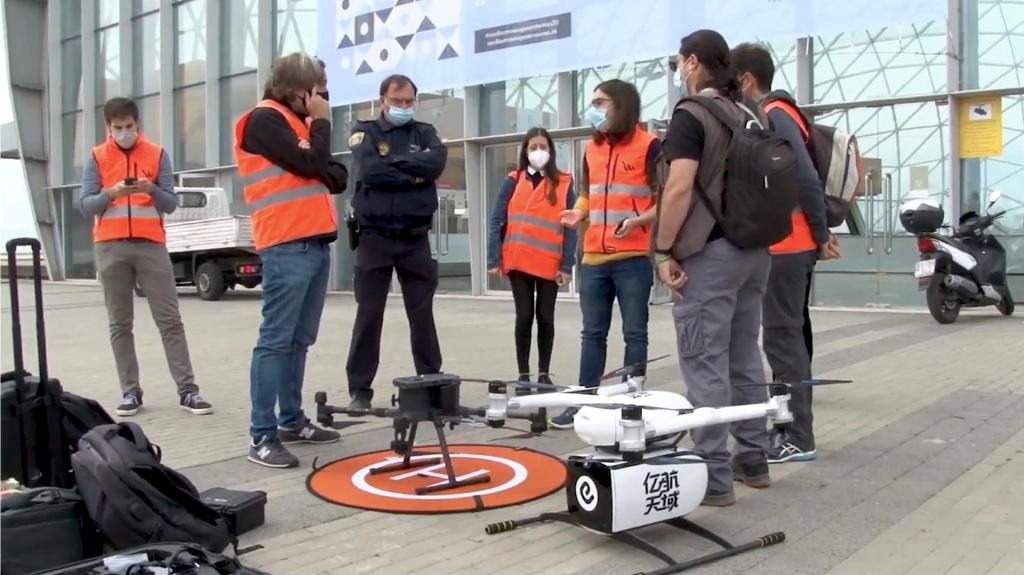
(703, 417)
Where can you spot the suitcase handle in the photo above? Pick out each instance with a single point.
(37, 278)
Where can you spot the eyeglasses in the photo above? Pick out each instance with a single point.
(601, 102)
(401, 103)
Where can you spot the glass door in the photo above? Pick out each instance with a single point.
(904, 153)
(449, 234)
(499, 161)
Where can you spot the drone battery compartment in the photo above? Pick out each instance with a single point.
(436, 394)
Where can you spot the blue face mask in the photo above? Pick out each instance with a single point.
(596, 117)
(400, 116)
(680, 86)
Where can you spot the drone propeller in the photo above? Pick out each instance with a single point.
(517, 383)
(626, 370)
(344, 424)
(802, 383)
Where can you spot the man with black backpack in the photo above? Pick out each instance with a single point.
(793, 259)
(714, 228)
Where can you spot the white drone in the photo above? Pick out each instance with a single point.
(635, 474)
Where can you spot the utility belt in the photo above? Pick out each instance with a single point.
(355, 231)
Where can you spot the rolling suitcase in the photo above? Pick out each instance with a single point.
(34, 447)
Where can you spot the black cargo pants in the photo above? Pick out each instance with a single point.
(786, 342)
(380, 253)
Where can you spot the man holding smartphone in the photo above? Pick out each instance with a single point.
(127, 186)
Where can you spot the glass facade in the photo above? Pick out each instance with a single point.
(895, 88)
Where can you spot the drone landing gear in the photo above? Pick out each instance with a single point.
(637, 542)
(405, 448)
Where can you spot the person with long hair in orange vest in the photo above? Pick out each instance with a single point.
(127, 186)
(528, 244)
(283, 150)
(617, 201)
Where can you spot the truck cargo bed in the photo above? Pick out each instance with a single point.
(233, 232)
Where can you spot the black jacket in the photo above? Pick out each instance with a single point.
(396, 169)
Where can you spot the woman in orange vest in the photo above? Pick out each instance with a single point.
(528, 244)
(617, 200)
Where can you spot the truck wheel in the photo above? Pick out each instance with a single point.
(210, 282)
(944, 305)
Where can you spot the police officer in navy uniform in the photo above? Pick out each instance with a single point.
(397, 160)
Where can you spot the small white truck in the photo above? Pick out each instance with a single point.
(210, 248)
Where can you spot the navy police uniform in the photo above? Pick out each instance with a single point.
(394, 203)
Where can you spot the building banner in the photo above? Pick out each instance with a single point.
(455, 43)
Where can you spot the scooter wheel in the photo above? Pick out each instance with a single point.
(943, 305)
(1005, 306)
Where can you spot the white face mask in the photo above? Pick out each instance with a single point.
(538, 158)
(125, 138)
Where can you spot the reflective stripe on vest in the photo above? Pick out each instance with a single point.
(137, 211)
(534, 238)
(533, 220)
(263, 174)
(642, 191)
(134, 216)
(618, 189)
(285, 207)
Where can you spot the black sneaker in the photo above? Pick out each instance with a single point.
(360, 402)
(545, 379)
(752, 473)
(307, 433)
(716, 498)
(270, 453)
(195, 403)
(524, 389)
(565, 419)
(788, 451)
(130, 404)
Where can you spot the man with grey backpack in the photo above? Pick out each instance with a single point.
(728, 196)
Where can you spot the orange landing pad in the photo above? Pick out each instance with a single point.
(516, 475)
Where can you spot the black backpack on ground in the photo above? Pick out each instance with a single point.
(134, 499)
(43, 528)
(761, 183)
(34, 450)
(180, 558)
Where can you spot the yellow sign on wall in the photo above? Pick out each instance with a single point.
(981, 127)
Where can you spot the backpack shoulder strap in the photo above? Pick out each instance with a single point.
(792, 112)
(715, 109)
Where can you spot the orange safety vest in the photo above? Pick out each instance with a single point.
(800, 239)
(134, 215)
(533, 238)
(618, 190)
(285, 207)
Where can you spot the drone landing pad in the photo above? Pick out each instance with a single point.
(516, 476)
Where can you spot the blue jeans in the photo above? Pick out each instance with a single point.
(628, 280)
(294, 289)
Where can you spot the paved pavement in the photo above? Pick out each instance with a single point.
(920, 469)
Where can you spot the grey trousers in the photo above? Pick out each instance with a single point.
(717, 325)
(784, 342)
(119, 265)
